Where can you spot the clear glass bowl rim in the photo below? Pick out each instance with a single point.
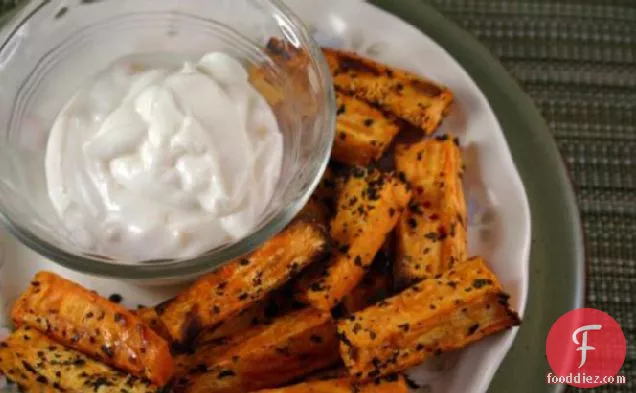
(189, 267)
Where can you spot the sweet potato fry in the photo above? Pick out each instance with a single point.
(290, 59)
(315, 210)
(433, 167)
(431, 234)
(208, 351)
(255, 315)
(368, 209)
(82, 320)
(466, 304)
(212, 343)
(150, 317)
(264, 82)
(331, 186)
(392, 384)
(338, 372)
(276, 303)
(11, 366)
(285, 54)
(223, 294)
(290, 80)
(404, 94)
(363, 133)
(266, 355)
(39, 364)
(376, 285)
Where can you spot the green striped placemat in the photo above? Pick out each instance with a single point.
(577, 59)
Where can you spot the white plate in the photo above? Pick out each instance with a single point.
(499, 216)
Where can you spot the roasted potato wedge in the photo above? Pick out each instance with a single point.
(432, 316)
(363, 132)
(223, 294)
(266, 355)
(39, 364)
(404, 94)
(431, 234)
(392, 384)
(368, 210)
(83, 320)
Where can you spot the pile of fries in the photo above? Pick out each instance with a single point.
(371, 279)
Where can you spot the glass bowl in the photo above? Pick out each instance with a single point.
(50, 49)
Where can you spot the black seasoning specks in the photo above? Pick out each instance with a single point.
(316, 339)
(108, 351)
(358, 172)
(412, 222)
(441, 233)
(343, 339)
(115, 298)
(432, 236)
(472, 329)
(481, 282)
(317, 287)
(341, 110)
(344, 248)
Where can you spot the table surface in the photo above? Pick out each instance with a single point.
(577, 60)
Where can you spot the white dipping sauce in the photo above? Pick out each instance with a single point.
(164, 163)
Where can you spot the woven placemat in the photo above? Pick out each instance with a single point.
(577, 59)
